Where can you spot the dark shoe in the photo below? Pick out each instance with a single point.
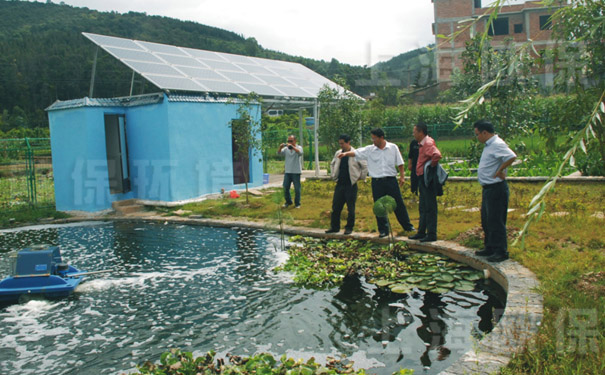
(331, 230)
(485, 253)
(382, 235)
(417, 236)
(347, 231)
(496, 258)
(410, 229)
(429, 239)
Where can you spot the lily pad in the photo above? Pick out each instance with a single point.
(440, 290)
(473, 276)
(401, 288)
(445, 277)
(414, 279)
(446, 285)
(382, 283)
(464, 286)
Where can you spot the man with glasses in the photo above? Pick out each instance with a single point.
(496, 157)
(293, 170)
(384, 159)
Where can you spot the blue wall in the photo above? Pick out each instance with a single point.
(177, 151)
(77, 138)
(201, 149)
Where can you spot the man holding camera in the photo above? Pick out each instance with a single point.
(293, 170)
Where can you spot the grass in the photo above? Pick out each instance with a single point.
(565, 251)
(27, 215)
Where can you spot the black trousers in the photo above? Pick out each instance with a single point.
(343, 194)
(427, 208)
(388, 186)
(494, 209)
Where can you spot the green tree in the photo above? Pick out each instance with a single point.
(246, 132)
(340, 114)
(513, 70)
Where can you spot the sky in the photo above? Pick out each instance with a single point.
(351, 31)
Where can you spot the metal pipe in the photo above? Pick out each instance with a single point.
(94, 71)
(301, 137)
(131, 83)
(316, 127)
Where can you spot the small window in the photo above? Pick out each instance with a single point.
(477, 3)
(545, 23)
(499, 27)
(518, 28)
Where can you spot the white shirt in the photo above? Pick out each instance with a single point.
(495, 153)
(381, 163)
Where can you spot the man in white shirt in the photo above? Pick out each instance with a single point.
(496, 157)
(384, 158)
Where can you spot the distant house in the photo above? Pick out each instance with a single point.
(520, 22)
(172, 146)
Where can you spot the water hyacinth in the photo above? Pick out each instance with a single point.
(320, 263)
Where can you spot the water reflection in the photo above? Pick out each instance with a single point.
(201, 289)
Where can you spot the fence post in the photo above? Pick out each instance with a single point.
(31, 173)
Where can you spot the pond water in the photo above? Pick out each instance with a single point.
(203, 288)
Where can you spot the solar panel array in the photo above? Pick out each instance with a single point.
(186, 69)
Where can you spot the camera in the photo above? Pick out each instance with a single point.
(290, 147)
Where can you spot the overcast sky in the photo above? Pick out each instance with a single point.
(320, 29)
(352, 31)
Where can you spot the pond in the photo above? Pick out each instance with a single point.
(203, 288)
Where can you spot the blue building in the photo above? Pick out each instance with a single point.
(172, 146)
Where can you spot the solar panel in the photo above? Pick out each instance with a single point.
(254, 69)
(151, 68)
(181, 60)
(174, 83)
(261, 89)
(201, 73)
(224, 86)
(187, 69)
(162, 48)
(130, 54)
(221, 65)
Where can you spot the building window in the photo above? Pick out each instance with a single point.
(477, 3)
(545, 22)
(499, 27)
(518, 28)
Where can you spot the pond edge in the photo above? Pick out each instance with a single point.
(514, 331)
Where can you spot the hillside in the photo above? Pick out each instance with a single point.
(44, 57)
(415, 67)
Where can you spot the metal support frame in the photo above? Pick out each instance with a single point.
(316, 128)
(92, 76)
(31, 173)
(131, 83)
(301, 137)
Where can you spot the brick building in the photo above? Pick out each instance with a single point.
(519, 22)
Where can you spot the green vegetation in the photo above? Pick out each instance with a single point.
(176, 362)
(325, 263)
(28, 215)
